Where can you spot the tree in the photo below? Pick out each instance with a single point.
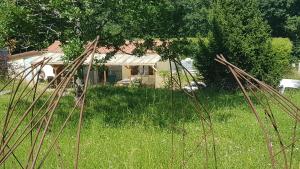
(28, 25)
(294, 7)
(34, 24)
(276, 13)
(239, 32)
(195, 16)
(14, 28)
(293, 29)
(283, 17)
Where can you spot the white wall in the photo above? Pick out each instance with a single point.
(22, 64)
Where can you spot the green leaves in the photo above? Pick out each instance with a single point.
(276, 13)
(293, 27)
(10, 25)
(72, 49)
(35, 24)
(283, 17)
(112, 29)
(239, 32)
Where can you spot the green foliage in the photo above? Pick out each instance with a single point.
(239, 32)
(283, 17)
(276, 13)
(28, 25)
(176, 48)
(294, 7)
(281, 56)
(35, 24)
(282, 47)
(194, 17)
(293, 29)
(13, 26)
(72, 49)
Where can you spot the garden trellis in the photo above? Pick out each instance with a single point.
(13, 135)
(33, 125)
(267, 97)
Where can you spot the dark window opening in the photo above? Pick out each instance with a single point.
(151, 71)
(134, 70)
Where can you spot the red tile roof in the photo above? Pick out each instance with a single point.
(55, 47)
(127, 48)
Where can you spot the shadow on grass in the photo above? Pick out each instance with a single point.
(118, 106)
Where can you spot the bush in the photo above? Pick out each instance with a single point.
(239, 32)
(281, 57)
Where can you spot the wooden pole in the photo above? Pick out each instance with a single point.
(129, 73)
(32, 73)
(104, 76)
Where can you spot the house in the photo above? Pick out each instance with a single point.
(122, 68)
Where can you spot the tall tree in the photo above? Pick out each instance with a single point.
(293, 26)
(27, 25)
(276, 13)
(33, 24)
(195, 16)
(239, 32)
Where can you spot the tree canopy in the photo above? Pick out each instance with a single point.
(34, 24)
(241, 30)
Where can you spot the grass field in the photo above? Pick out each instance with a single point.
(133, 128)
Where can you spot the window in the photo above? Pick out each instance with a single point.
(151, 71)
(134, 70)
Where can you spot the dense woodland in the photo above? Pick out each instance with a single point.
(242, 30)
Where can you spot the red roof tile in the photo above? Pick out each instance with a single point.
(55, 47)
(128, 48)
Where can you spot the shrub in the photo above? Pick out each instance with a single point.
(239, 32)
(281, 57)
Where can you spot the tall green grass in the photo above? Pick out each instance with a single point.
(133, 128)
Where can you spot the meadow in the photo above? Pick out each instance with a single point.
(142, 128)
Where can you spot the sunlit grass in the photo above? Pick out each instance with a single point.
(133, 128)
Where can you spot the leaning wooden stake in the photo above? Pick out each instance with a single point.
(83, 104)
(269, 94)
(13, 136)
